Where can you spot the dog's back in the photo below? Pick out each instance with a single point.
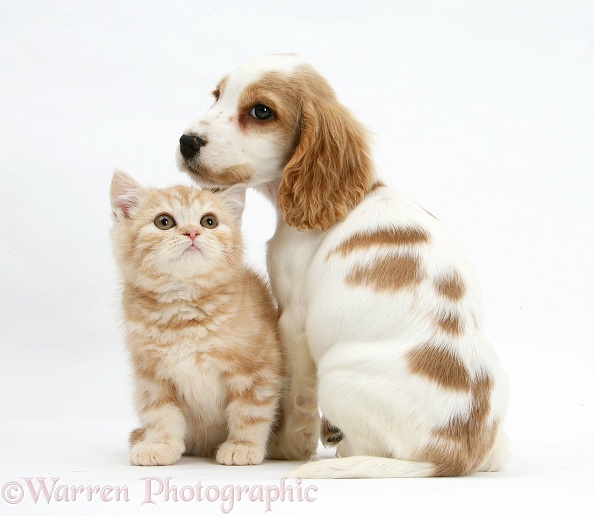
(394, 324)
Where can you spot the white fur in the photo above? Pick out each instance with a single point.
(357, 337)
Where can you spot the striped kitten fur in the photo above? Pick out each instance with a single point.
(201, 327)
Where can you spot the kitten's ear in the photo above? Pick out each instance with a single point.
(234, 199)
(125, 194)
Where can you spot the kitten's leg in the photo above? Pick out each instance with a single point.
(160, 441)
(297, 435)
(250, 414)
(136, 435)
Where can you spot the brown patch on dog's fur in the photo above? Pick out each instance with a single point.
(382, 238)
(463, 445)
(228, 176)
(450, 323)
(276, 91)
(451, 286)
(388, 273)
(220, 88)
(440, 366)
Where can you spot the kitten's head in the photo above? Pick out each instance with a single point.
(175, 234)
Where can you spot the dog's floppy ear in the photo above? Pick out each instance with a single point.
(330, 170)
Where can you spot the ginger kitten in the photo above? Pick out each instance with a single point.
(200, 326)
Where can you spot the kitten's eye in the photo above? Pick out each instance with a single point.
(216, 94)
(209, 221)
(165, 221)
(261, 112)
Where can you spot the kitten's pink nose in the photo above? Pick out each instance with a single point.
(192, 233)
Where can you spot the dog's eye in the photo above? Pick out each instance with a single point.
(209, 221)
(165, 221)
(261, 112)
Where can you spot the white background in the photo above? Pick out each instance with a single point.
(482, 111)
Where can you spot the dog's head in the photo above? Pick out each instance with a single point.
(276, 124)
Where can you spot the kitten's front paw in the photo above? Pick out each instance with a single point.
(231, 454)
(154, 454)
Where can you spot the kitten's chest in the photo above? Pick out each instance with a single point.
(197, 379)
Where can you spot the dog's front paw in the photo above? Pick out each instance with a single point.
(291, 445)
(154, 454)
(234, 454)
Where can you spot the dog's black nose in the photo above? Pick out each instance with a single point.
(189, 145)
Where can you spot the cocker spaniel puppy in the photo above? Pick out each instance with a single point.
(380, 313)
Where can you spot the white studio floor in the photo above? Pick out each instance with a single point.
(91, 456)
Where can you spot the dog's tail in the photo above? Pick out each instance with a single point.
(364, 467)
